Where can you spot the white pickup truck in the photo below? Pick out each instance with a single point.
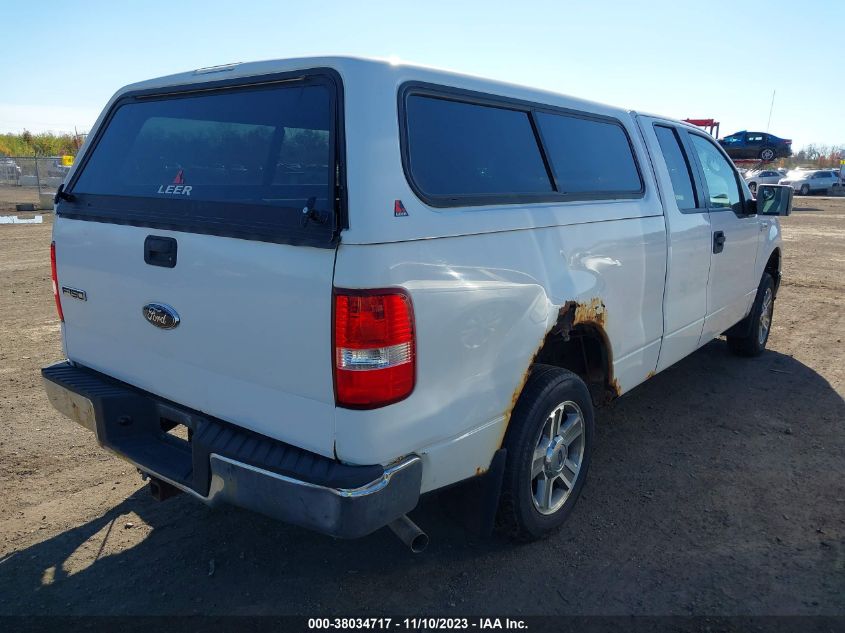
(319, 288)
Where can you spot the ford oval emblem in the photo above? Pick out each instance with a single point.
(161, 315)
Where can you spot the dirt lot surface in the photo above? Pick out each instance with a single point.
(11, 195)
(717, 487)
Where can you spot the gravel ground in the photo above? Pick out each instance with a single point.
(11, 195)
(717, 487)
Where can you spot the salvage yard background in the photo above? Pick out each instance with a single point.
(718, 487)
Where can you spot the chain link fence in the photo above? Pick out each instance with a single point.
(30, 181)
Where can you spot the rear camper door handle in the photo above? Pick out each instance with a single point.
(160, 251)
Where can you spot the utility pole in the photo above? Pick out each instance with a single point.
(37, 175)
(772, 107)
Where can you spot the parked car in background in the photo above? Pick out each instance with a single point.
(10, 171)
(56, 169)
(762, 177)
(810, 181)
(756, 145)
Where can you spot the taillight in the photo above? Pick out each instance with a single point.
(55, 281)
(375, 358)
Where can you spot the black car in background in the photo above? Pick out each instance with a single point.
(751, 145)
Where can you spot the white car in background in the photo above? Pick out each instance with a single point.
(809, 181)
(762, 177)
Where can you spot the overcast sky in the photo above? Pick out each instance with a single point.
(711, 58)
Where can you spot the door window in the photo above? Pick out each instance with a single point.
(719, 175)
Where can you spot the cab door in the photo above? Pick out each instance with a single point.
(734, 236)
(688, 229)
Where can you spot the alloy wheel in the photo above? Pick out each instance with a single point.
(765, 316)
(558, 456)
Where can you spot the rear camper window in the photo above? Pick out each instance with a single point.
(461, 149)
(464, 149)
(589, 156)
(254, 162)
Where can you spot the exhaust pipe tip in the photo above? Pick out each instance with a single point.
(409, 533)
(419, 543)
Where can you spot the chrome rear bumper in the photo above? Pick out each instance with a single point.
(346, 513)
(126, 421)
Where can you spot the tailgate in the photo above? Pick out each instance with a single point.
(195, 253)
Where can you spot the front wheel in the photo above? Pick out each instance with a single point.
(549, 443)
(805, 190)
(754, 342)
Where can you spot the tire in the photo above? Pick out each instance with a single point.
(760, 325)
(804, 190)
(531, 508)
(753, 187)
(767, 153)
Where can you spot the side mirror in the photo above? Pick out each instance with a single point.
(774, 199)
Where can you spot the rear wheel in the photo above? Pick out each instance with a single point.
(754, 342)
(549, 444)
(767, 153)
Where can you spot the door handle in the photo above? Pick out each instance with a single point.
(764, 225)
(718, 241)
(160, 251)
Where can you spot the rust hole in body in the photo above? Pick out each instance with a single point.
(580, 331)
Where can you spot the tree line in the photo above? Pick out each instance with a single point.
(821, 156)
(44, 144)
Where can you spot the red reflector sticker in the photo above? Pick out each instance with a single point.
(180, 177)
(399, 209)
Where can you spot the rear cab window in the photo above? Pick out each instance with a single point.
(678, 165)
(259, 161)
(461, 148)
